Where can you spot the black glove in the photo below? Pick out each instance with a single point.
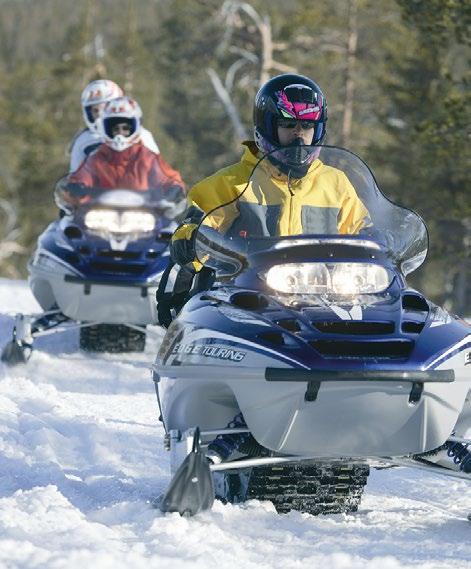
(182, 245)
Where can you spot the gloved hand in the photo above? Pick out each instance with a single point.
(77, 190)
(70, 195)
(182, 245)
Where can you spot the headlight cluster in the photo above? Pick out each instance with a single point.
(111, 221)
(328, 278)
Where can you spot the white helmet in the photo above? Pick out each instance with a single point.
(97, 92)
(116, 112)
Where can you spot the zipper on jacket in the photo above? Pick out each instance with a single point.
(291, 193)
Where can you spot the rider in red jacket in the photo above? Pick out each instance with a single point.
(135, 167)
(123, 161)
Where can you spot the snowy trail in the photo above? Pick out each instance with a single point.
(81, 459)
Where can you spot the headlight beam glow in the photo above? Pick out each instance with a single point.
(328, 278)
(112, 221)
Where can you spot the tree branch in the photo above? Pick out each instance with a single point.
(226, 100)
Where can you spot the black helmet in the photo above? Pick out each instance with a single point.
(289, 96)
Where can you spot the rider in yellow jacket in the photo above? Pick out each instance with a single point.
(292, 191)
(322, 201)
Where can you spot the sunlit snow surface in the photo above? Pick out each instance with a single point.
(81, 459)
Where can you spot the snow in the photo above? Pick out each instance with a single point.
(82, 460)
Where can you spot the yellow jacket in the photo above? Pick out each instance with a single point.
(323, 201)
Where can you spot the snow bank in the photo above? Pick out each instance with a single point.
(81, 461)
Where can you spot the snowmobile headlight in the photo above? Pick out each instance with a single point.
(328, 278)
(101, 219)
(359, 278)
(137, 221)
(111, 221)
(299, 278)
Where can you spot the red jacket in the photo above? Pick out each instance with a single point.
(136, 168)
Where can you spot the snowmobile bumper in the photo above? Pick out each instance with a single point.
(93, 300)
(336, 413)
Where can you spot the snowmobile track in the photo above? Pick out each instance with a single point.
(312, 488)
(111, 338)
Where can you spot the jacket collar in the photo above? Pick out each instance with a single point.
(115, 156)
(252, 155)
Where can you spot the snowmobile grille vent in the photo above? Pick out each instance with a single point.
(273, 337)
(119, 255)
(152, 254)
(72, 258)
(289, 324)
(72, 232)
(117, 268)
(410, 327)
(354, 327)
(249, 300)
(382, 350)
(414, 302)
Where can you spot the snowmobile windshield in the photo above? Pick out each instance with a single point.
(77, 199)
(303, 194)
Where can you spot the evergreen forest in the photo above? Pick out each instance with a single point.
(396, 75)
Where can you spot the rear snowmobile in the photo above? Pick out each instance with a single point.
(309, 359)
(97, 268)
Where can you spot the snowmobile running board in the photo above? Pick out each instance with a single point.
(454, 439)
(250, 462)
(430, 467)
(406, 462)
(262, 461)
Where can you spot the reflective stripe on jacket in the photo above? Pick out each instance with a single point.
(323, 201)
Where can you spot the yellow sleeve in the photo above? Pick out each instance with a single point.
(353, 214)
(214, 192)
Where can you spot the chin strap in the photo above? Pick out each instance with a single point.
(288, 169)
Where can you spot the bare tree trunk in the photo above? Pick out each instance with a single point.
(267, 63)
(226, 99)
(264, 60)
(349, 78)
(131, 46)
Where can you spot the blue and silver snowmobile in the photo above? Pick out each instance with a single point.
(97, 268)
(307, 359)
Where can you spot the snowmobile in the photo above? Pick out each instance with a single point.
(307, 359)
(97, 268)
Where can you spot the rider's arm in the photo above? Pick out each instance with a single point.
(162, 174)
(148, 140)
(82, 146)
(182, 244)
(84, 175)
(353, 216)
(205, 197)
